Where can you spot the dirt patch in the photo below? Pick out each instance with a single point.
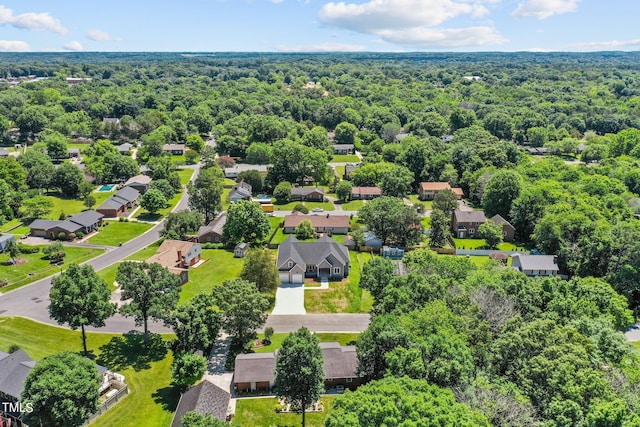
(19, 261)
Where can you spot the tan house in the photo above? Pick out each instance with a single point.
(334, 224)
(177, 256)
(365, 193)
(428, 190)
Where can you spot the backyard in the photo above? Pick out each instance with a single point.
(112, 233)
(344, 158)
(344, 296)
(261, 412)
(38, 266)
(151, 400)
(220, 265)
(69, 206)
(277, 338)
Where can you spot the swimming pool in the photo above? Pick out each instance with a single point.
(106, 187)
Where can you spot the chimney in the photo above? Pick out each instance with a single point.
(179, 256)
(555, 259)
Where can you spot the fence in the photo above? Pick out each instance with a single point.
(121, 393)
(482, 252)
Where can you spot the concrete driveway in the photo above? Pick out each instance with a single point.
(290, 299)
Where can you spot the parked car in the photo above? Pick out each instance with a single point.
(317, 210)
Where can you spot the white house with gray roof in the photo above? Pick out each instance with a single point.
(535, 265)
(324, 258)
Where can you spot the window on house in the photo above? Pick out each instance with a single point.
(290, 264)
(336, 270)
(472, 231)
(349, 380)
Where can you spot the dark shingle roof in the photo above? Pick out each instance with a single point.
(469, 216)
(537, 262)
(255, 367)
(47, 224)
(128, 194)
(204, 398)
(112, 203)
(214, 226)
(300, 191)
(303, 253)
(86, 218)
(14, 369)
(339, 361)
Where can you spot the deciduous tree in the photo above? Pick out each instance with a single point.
(491, 233)
(260, 268)
(196, 325)
(205, 194)
(187, 369)
(153, 200)
(305, 230)
(246, 222)
(244, 308)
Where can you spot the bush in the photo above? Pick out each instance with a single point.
(26, 249)
(13, 348)
(212, 246)
(62, 235)
(79, 234)
(72, 236)
(301, 208)
(268, 333)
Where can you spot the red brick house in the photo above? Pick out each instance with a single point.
(428, 190)
(365, 193)
(464, 224)
(508, 230)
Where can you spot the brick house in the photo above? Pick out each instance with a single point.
(334, 224)
(508, 230)
(464, 224)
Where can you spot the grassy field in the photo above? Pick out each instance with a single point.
(37, 266)
(151, 400)
(469, 243)
(71, 206)
(185, 175)
(145, 253)
(345, 296)
(339, 171)
(352, 205)
(7, 226)
(112, 233)
(220, 266)
(342, 158)
(261, 412)
(327, 206)
(277, 338)
(109, 275)
(280, 237)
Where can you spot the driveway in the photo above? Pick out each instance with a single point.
(289, 299)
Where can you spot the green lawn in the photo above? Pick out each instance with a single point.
(178, 160)
(228, 182)
(112, 233)
(261, 412)
(144, 215)
(345, 296)
(145, 253)
(220, 266)
(185, 175)
(342, 158)
(38, 267)
(280, 237)
(225, 198)
(8, 226)
(339, 171)
(327, 206)
(71, 206)
(151, 400)
(414, 198)
(109, 275)
(277, 338)
(469, 243)
(352, 205)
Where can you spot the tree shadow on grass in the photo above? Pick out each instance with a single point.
(168, 397)
(149, 217)
(130, 351)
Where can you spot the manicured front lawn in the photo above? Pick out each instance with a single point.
(37, 266)
(7, 226)
(185, 175)
(220, 266)
(112, 233)
(261, 412)
(72, 206)
(469, 243)
(327, 206)
(352, 205)
(144, 215)
(151, 400)
(280, 237)
(145, 253)
(109, 275)
(339, 171)
(342, 158)
(345, 296)
(277, 338)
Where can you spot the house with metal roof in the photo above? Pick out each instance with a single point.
(535, 265)
(324, 258)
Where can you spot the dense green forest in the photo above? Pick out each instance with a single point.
(547, 351)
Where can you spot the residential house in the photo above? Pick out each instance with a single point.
(177, 256)
(14, 369)
(535, 265)
(334, 224)
(173, 149)
(349, 169)
(399, 137)
(465, 223)
(508, 230)
(4, 152)
(343, 148)
(234, 171)
(84, 222)
(240, 191)
(73, 153)
(205, 398)
(393, 252)
(111, 121)
(371, 240)
(365, 193)
(254, 371)
(240, 250)
(4, 241)
(142, 183)
(428, 190)
(212, 232)
(77, 80)
(90, 220)
(120, 202)
(324, 258)
(124, 148)
(308, 194)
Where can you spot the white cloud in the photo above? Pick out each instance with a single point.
(74, 46)
(100, 36)
(322, 47)
(276, 1)
(413, 22)
(14, 46)
(31, 21)
(609, 45)
(543, 9)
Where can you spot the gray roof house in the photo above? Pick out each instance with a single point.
(254, 371)
(340, 365)
(4, 241)
(240, 191)
(85, 222)
(204, 398)
(14, 369)
(311, 194)
(139, 182)
(464, 224)
(234, 171)
(324, 258)
(535, 265)
(124, 148)
(212, 232)
(89, 220)
(122, 200)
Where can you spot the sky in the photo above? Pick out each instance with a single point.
(318, 25)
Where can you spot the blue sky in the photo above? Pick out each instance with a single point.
(319, 25)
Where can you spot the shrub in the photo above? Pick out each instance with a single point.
(26, 249)
(72, 236)
(79, 234)
(301, 208)
(212, 246)
(13, 348)
(62, 235)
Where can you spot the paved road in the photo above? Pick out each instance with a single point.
(32, 301)
(346, 323)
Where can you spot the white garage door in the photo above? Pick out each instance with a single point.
(297, 278)
(284, 277)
